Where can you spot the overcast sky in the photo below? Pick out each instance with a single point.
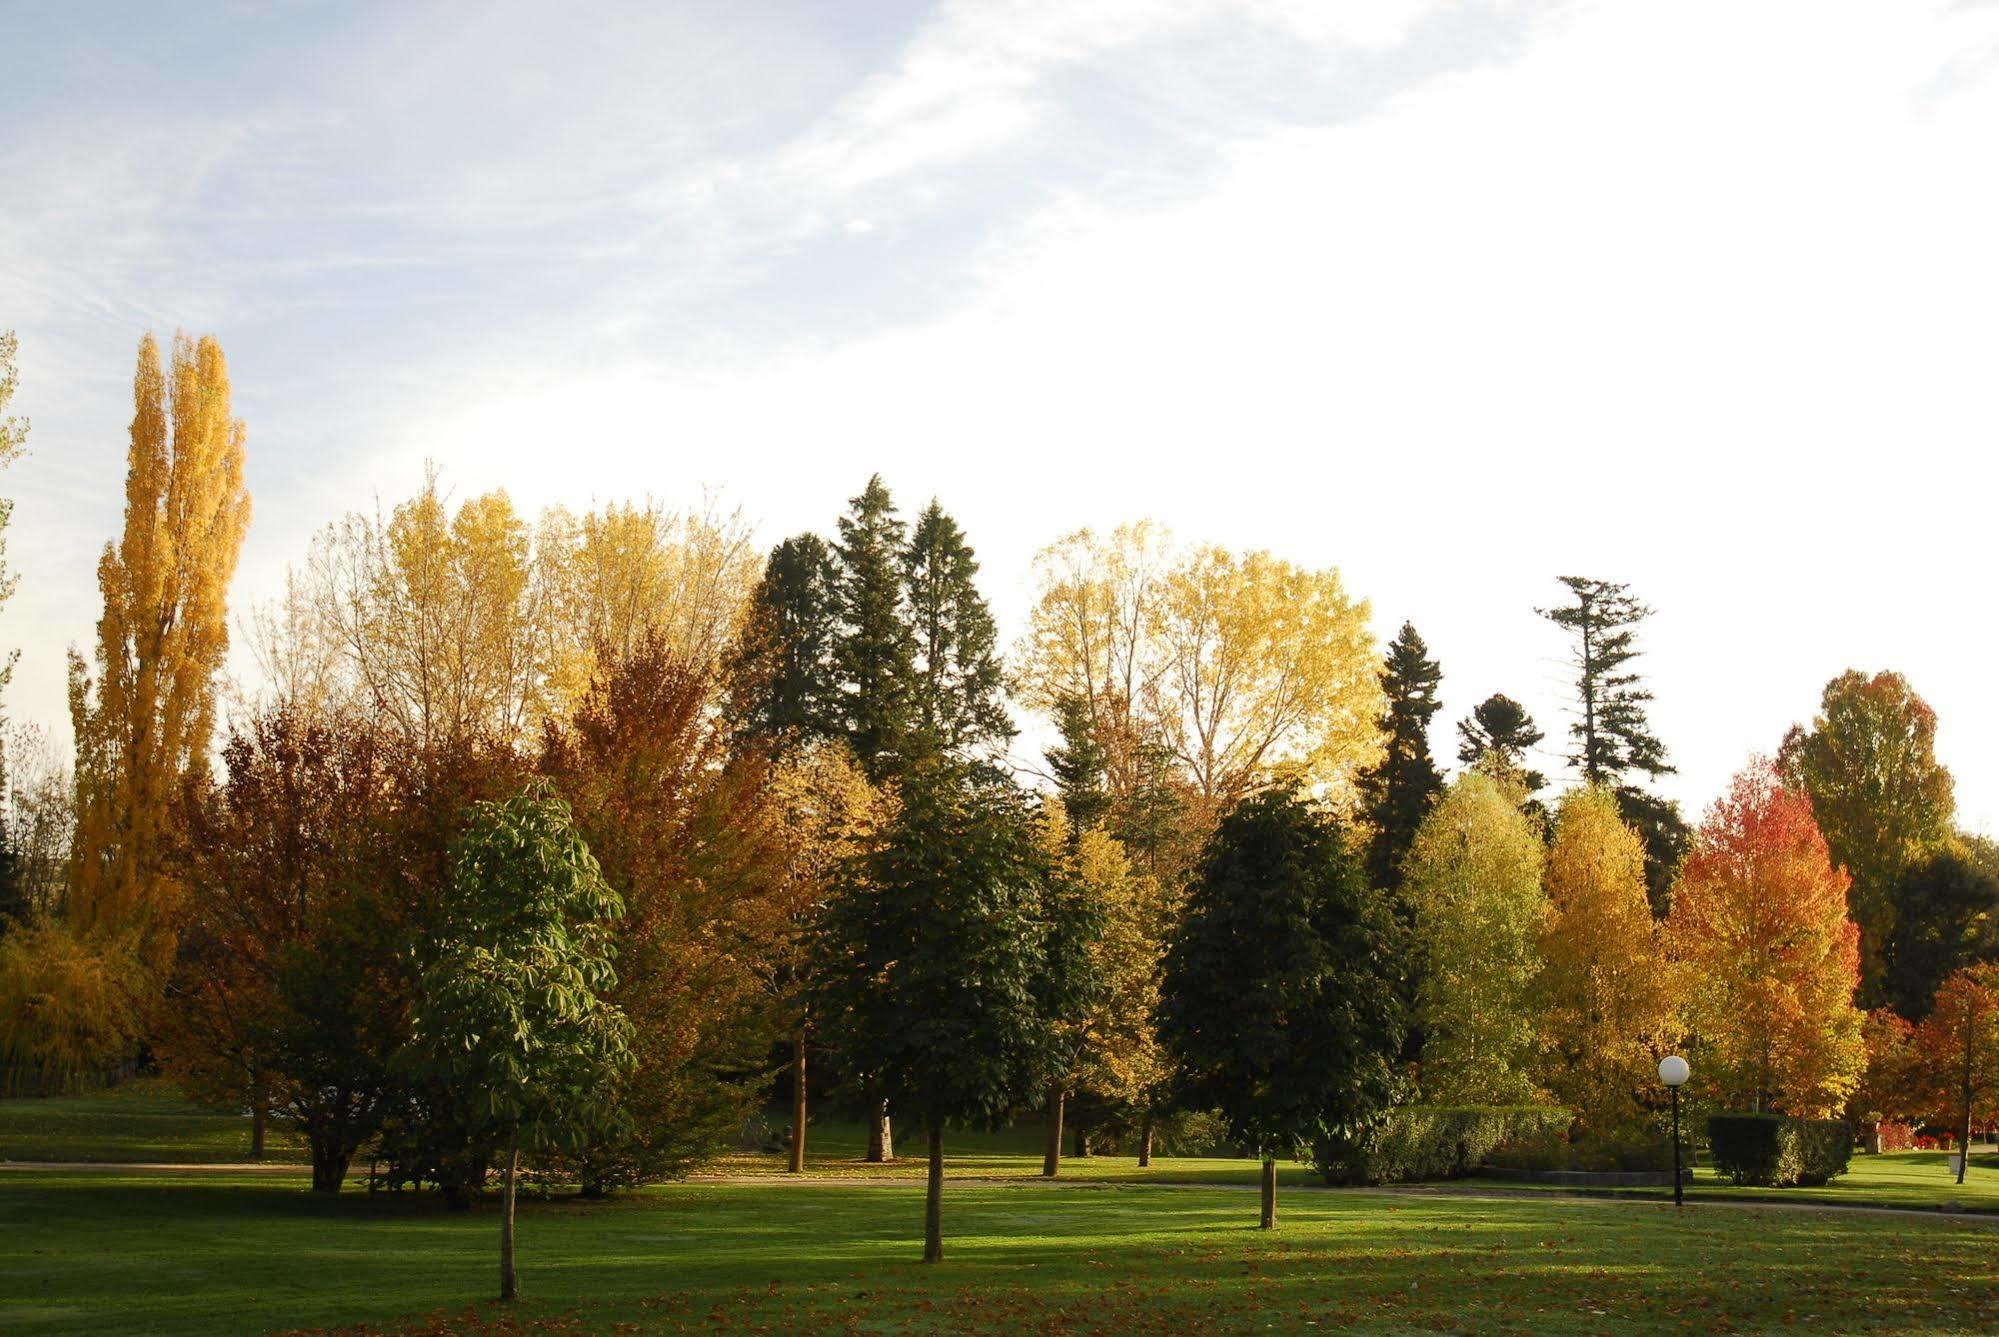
(1458, 297)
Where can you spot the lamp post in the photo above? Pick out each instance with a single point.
(1673, 1072)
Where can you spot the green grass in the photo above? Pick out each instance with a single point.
(142, 1120)
(99, 1252)
(1905, 1179)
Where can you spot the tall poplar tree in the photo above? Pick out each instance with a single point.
(1399, 790)
(14, 899)
(145, 718)
(874, 658)
(1612, 734)
(958, 679)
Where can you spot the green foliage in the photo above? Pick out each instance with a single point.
(1776, 1151)
(1500, 726)
(957, 676)
(954, 951)
(1473, 879)
(781, 673)
(1420, 1142)
(1947, 917)
(1077, 764)
(510, 1006)
(874, 657)
(1282, 985)
(1398, 790)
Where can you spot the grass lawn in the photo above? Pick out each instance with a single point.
(100, 1252)
(142, 1120)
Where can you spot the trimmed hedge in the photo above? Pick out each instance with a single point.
(1775, 1151)
(1432, 1142)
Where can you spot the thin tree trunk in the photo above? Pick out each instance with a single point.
(508, 1286)
(933, 1206)
(881, 1135)
(1051, 1152)
(1145, 1138)
(797, 1166)
(1269, 1221)
(1964, 1142)
(260, 1113)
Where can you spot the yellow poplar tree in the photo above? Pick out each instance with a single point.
(144, 710)
(1606, 987)
(1474, 880)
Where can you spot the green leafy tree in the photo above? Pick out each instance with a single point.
(1500, 727)
(958, 679)
(1474, 879)
(1868, 763)
(511, 1004)
(874, 655)
(1612, 732)
(1281, 994)
(961, 954)
(781, 683)
(1947, 918)
(1398, 790)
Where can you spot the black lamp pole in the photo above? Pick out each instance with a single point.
(1677, 1200)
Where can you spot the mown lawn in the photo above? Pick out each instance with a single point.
(141, 1120)
(99, 1252)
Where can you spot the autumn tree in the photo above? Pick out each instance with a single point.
(1473, 879)
(951, 985)
(1612, 732)
(1891, 1083)
(957, 682)
(1606, 989)
(1240, 670)
(1500, 727)
(686, 829)
(1769, 957)
(276, 997)
(144, 708)
(13, 444)
(1957, 1049)
(1281, 991)
(1397, 791)
(1868, 763)
(512, 1004)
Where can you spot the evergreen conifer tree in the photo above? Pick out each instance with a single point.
(957, 680)
(1500, 726)
(874, 657)
(1398, 792)
(781, 685)
(1077, 764)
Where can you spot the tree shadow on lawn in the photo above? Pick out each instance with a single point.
(202, 1257)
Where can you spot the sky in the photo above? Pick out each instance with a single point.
(1458, 297)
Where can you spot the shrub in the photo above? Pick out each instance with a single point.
(1434, 1142)
(1641, 1145)
(1774, 1151)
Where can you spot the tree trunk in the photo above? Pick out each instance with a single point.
(797, 1166)
(260, 1114)
(329, 1164)
(881, 1135)
(1051, 1151)
(508, 1287)
(1964, 1143)
(1269, 1221)
(1082, 1150)
(1145, 1138)
(933, 1206)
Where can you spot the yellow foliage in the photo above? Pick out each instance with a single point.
(145, 721)
(69, 1007)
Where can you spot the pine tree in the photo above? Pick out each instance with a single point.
(147, 718)
(958, 679)
(874, 657)
(1399, 790)
(1282, 994)
(781, 677)
(1612, 733)
(1500, 727)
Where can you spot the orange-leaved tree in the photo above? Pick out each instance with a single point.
(1769, 956)
(1957, 1052)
